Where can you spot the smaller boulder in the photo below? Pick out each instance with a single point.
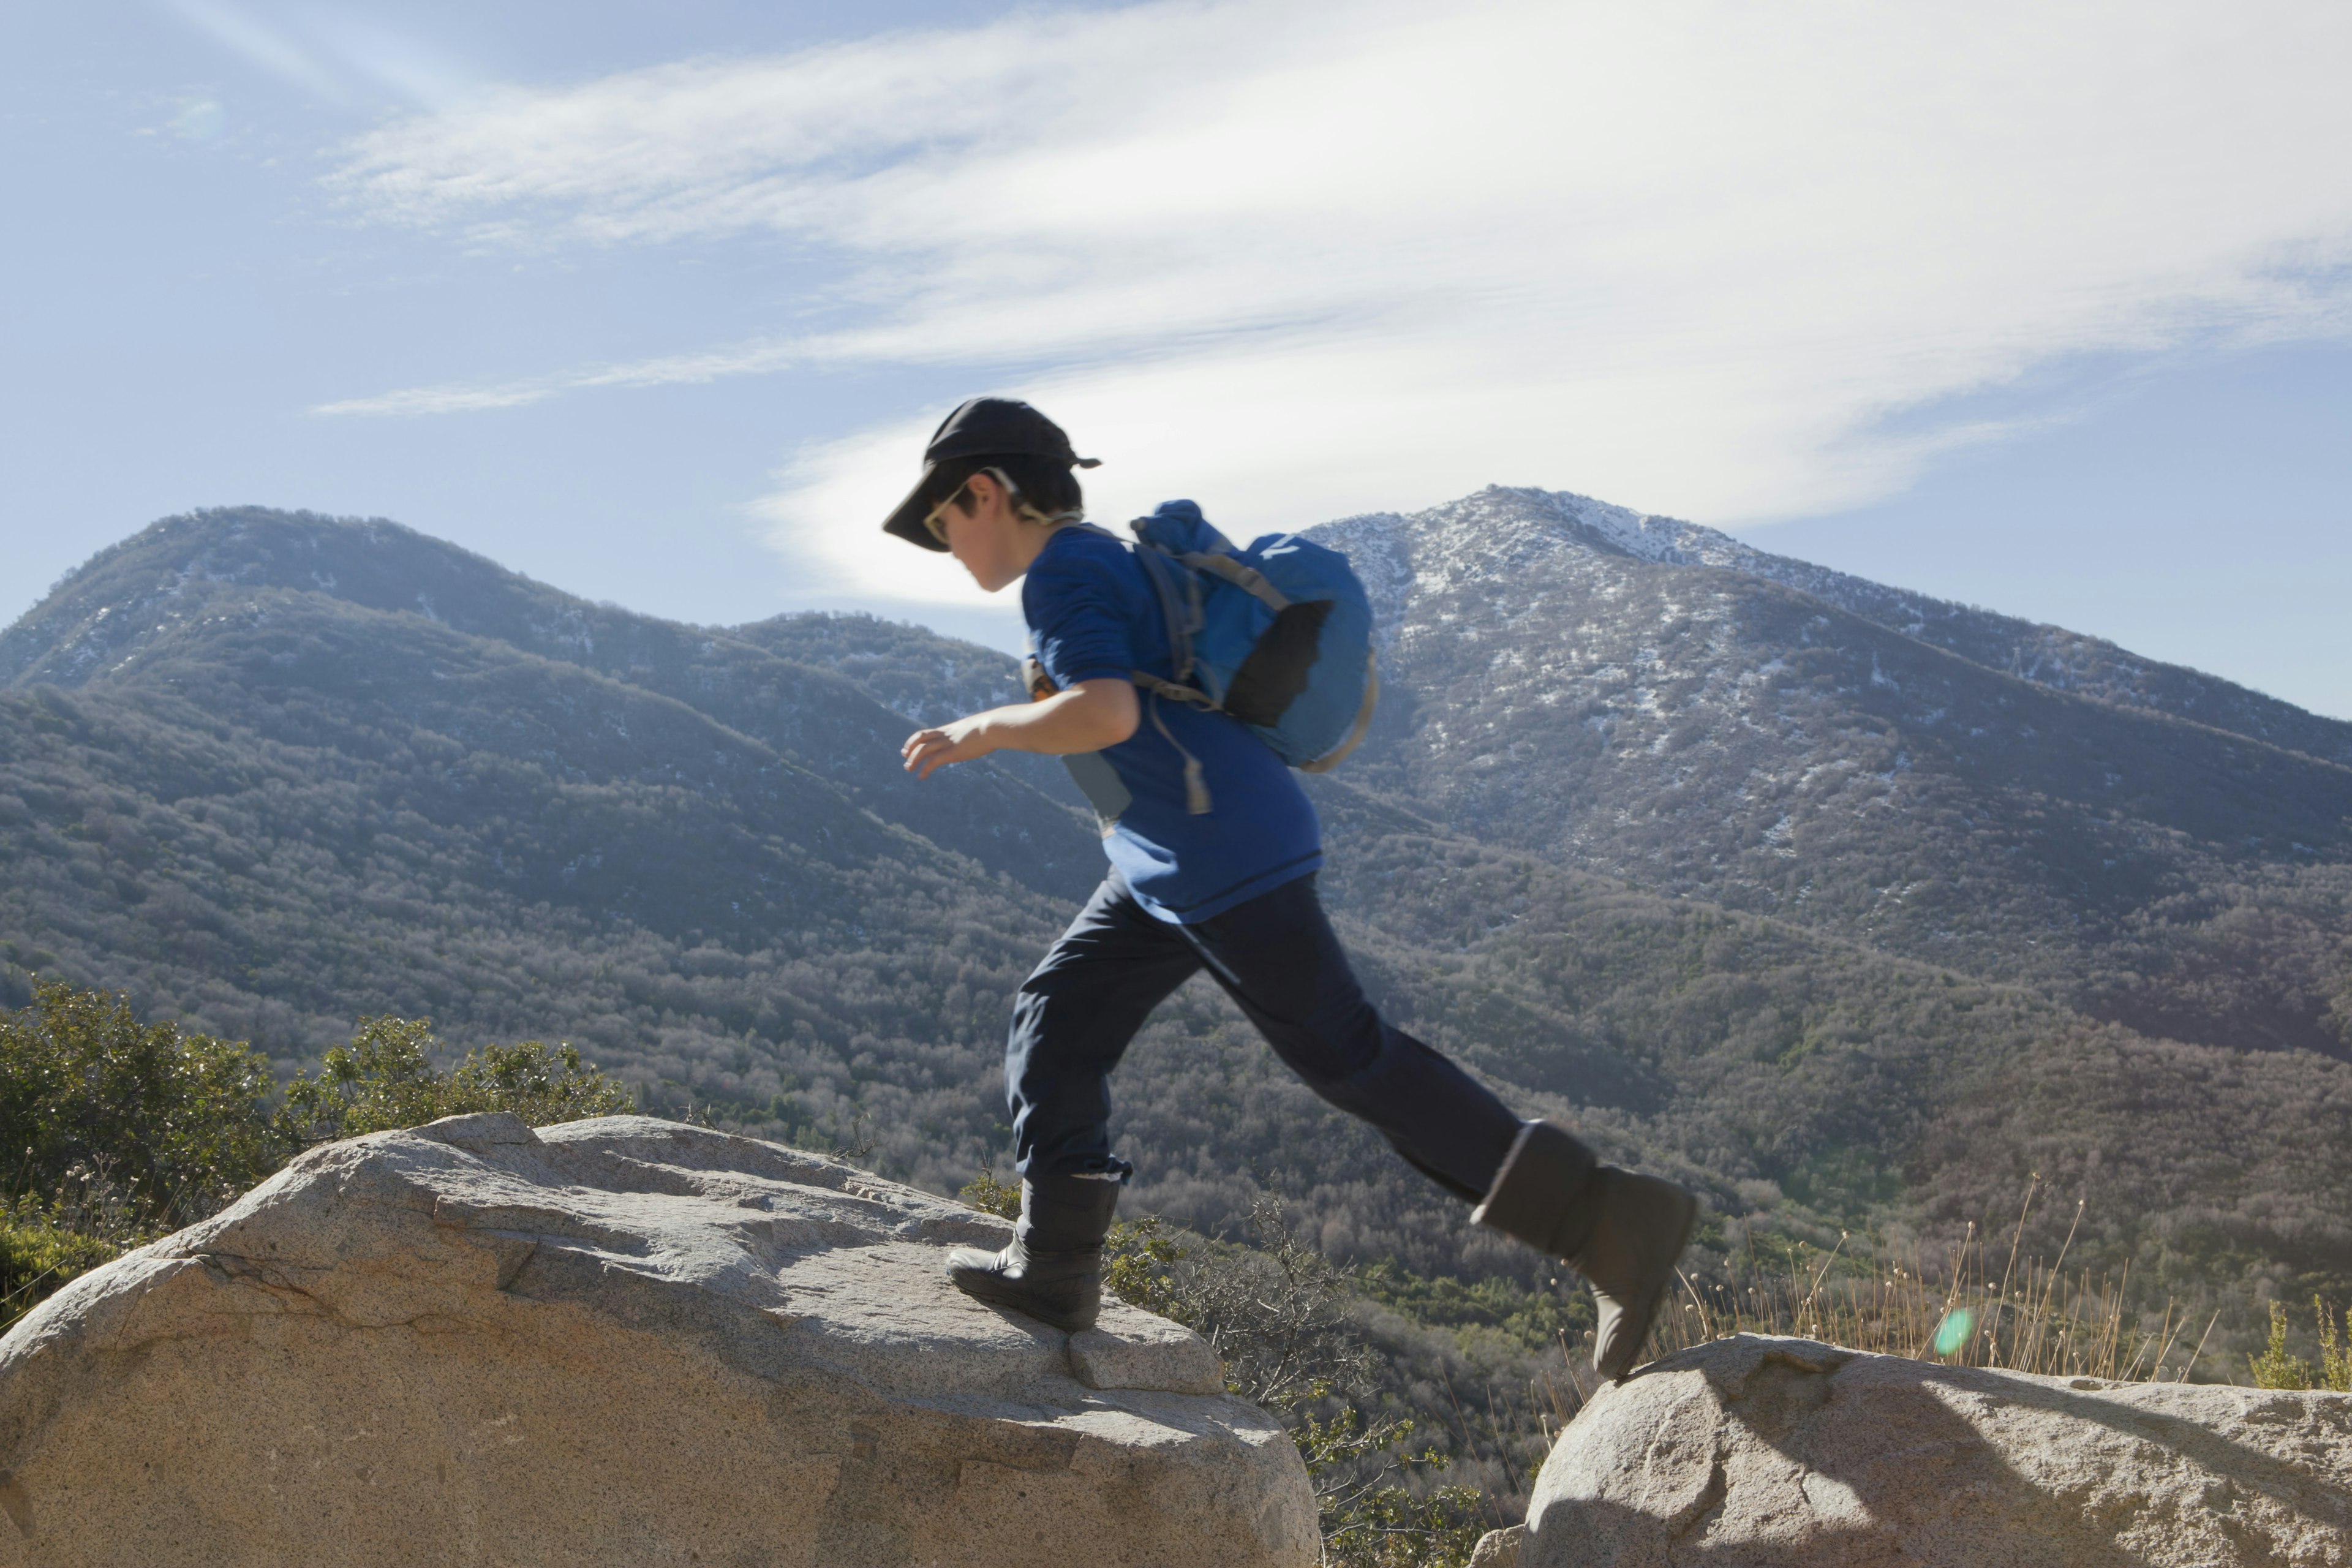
(1781, 1451)
(1498, 1548)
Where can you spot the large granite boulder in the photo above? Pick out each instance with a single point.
(1755, 1452)
(621, 1341)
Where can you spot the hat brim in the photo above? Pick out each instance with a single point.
(907, 520)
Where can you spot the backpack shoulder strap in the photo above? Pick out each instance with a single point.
(1242, 575)
(1180, 603)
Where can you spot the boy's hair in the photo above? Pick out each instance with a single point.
(1043, 490)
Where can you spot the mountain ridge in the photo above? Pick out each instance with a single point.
(100, 616)
(2040, 652)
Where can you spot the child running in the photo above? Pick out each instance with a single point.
(1229, 889)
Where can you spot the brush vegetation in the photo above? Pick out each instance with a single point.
(125, 1131)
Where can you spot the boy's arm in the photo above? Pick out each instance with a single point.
(1084, 717)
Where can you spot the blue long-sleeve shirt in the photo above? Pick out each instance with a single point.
(1093, 613)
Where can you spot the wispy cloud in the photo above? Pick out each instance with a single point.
(669, 369)
(1303, 259)
(336, 56)
(261, 43)
(410, 68)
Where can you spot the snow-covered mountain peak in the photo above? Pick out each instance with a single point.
(1513, 519)
(1505, 538)
(1506, 532)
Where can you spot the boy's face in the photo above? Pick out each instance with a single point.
(985, 535)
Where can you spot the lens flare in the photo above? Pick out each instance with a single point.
(1954, 1331)
(198, 119)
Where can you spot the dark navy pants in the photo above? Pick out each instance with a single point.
(1277, 957)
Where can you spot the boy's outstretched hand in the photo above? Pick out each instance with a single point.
(959, 742)
(1084, 718)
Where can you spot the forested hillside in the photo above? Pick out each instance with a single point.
(127, 618)
(1841, 925)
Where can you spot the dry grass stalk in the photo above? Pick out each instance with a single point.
(1955, 1311)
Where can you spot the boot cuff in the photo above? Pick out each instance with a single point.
(1063, 1214)
(1544, 1194)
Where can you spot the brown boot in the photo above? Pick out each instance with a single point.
(1622, 1232)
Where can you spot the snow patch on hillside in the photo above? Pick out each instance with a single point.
(1575, 544)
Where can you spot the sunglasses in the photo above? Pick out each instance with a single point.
(932, 518)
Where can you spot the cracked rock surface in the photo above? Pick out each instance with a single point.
(618, 1341)
(1763, 1452)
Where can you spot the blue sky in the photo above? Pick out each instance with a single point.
(2042, 309)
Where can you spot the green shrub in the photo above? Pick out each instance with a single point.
(1369, 1520)
(989, 1196)
(2275, 1368)
(2335, 1353)
(44, 1243)
(119, 1131)
(386, 1079)
(176, 1124)
(1138, 1256)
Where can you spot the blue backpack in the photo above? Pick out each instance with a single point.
(1278, 635)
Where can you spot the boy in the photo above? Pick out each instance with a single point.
(1230, 889)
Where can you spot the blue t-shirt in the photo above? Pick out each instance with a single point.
(1093, 613)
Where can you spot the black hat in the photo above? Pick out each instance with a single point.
(984, 428)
